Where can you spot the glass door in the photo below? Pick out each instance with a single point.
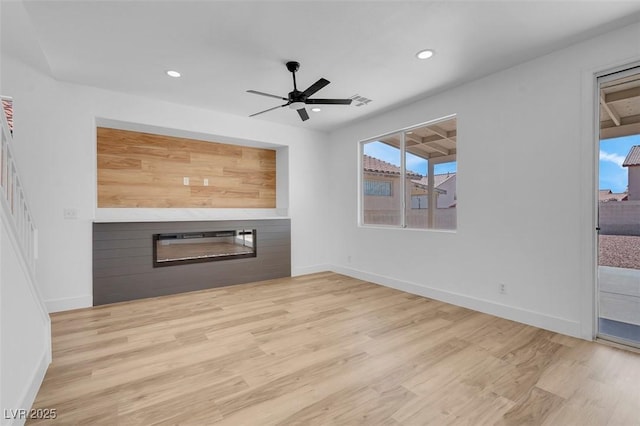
(619, 208)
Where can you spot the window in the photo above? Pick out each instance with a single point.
(419, 202)
(406, 173)
(381, 164)
(380, 188)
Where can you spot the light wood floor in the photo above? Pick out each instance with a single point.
(326, 349)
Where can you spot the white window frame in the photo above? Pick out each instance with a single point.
(430, 164)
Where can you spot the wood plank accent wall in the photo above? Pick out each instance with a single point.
(145, 170)
(123, 259)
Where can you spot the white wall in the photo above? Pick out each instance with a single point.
(526, 193)
(25, 349)
(55, 143)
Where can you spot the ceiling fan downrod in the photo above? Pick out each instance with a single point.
(293, 66)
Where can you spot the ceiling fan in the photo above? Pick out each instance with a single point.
(297, 99)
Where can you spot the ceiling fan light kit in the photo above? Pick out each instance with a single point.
(298, 100)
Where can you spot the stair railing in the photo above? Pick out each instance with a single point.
(14, 200)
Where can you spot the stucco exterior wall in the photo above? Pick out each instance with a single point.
(634, 183)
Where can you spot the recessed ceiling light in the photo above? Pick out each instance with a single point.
(316, 109)
(172, 73)
(425, 54)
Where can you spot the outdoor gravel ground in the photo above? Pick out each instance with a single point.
(620, 251)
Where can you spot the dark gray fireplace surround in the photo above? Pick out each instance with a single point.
(123, 258)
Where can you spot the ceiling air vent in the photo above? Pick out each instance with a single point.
(360, 100)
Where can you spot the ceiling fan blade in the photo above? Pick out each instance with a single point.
(328, 101)
(315, 87)
(303, 114)
(267, 110)
(255, 92)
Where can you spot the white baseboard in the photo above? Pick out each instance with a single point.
(306, 270)
(31, 391)
(536, 319)
(69, 303)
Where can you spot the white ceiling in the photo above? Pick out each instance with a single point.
(223, 48)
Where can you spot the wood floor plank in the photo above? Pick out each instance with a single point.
(533, 408)
(325, 349)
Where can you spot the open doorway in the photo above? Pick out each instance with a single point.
(618, 295)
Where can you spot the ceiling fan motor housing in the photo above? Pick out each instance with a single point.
(293, 66)
(297, 96)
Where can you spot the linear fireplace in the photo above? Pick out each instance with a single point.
(193, 247)
(124, 254)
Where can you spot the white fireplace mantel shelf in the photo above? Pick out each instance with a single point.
(105, 215)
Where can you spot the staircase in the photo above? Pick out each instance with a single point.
(25, 326)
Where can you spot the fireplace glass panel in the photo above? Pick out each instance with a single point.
(191, 247)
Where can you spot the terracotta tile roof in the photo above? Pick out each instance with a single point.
(437, 179)
(7, 106)
(633, 157)
(372, 164)
(425, 186)
(608, 195)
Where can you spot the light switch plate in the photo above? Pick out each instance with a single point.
(70, 213)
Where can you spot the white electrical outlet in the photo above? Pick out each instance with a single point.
(185, 180)
(206, 182)
(502, 288)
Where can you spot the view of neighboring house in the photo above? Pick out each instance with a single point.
(618, 212)
(606, 195)
(382, 189)
(632, 163)
(445, 185)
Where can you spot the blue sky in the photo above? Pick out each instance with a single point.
(612, 153)
(416, 164)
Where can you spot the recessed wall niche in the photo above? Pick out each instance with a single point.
(146, 170)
